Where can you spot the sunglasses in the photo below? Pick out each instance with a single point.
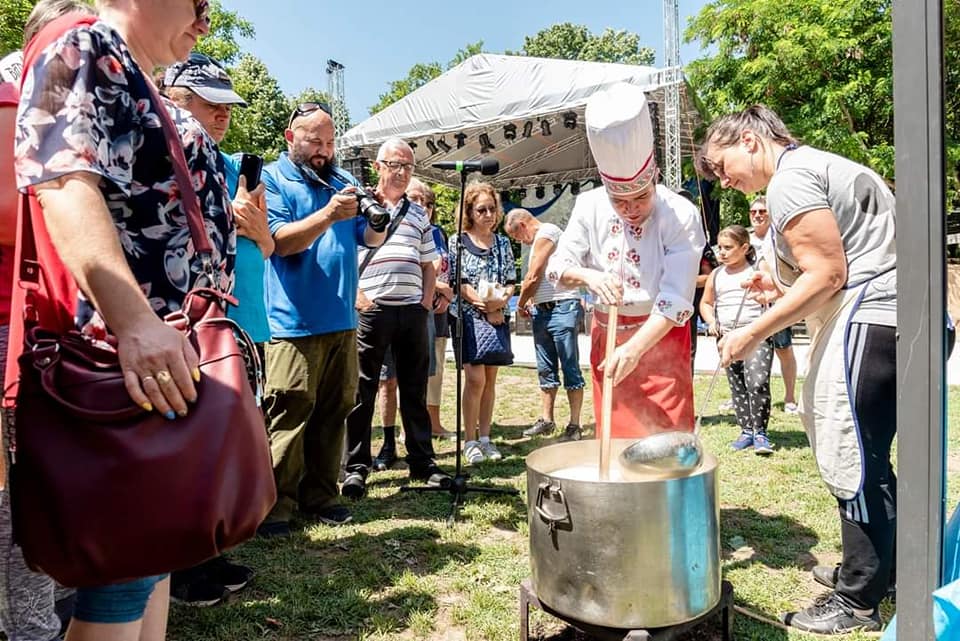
(757, 211)
(307, 108)
(202, 9)
(482, 211)
(716, 168)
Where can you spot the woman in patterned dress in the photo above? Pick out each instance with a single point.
(91, 146)
(485, 255)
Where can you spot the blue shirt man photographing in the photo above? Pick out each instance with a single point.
(311, 288)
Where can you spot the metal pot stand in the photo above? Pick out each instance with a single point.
(724, 609)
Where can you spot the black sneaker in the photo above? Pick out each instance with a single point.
(541, 427)
(829, 614)
(232, 576)
(198, 591)
(332, 515)
(572, 432)
(386, 459)
(273, 529)
(354, 486)
(828, 576)
(432, 474)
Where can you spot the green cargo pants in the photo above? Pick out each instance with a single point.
(311, 387)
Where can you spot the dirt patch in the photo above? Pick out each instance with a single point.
(807, 560)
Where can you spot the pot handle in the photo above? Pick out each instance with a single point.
(555, 491)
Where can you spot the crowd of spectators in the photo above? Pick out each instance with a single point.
(342, 309)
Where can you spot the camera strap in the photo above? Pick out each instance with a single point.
(404, 206)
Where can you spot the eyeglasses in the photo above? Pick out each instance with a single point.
(395, 165)
(202, 9)
(715, 166)
(307, 108)
(758, 211)
(483, 211)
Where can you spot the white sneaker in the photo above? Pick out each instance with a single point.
(490, 450)
(472, 452)
(790, 408)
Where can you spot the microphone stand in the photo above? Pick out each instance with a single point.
(458, 487)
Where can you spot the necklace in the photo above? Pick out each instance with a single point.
(783, 153)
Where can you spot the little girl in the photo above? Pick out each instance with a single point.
(750, 378)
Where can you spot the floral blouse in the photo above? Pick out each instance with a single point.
(86, 107)
(496, 265)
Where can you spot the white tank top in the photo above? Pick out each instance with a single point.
(727, 297)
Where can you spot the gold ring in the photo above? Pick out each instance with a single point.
(163, 377)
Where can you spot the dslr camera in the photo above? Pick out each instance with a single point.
(367, 206)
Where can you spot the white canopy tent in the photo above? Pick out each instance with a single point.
(525, 112)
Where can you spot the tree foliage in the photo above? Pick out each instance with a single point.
(951, 96)
(13, 15)
(825, 66)
(570, 41)
(257, 128)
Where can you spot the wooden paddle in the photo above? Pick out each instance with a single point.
(607, 410)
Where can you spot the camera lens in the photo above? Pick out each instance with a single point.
(377, 217)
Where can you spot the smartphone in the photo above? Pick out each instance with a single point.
(250, 167)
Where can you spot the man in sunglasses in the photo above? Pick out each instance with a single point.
(311, 289)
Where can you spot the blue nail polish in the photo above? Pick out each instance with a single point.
(170, 415)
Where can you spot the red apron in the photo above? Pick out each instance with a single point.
(658, 394)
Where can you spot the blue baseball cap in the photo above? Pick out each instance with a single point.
(205, 77)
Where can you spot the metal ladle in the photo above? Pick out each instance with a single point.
(673, 453)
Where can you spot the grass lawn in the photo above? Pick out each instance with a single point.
(399, 572)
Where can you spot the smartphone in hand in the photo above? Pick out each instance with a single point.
(250, 167)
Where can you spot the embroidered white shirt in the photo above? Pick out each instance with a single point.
(657, 262)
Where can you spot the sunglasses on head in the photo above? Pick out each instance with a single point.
(307, 108)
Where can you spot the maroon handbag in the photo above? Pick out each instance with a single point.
(103, 491)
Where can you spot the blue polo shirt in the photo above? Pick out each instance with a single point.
(251, 313)
(312, 292)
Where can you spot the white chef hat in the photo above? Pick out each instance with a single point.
(621, 138)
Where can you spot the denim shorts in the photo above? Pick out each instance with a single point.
(783, 339)
(555, 341)
(118, 603)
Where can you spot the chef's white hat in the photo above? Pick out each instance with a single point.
(621, 138)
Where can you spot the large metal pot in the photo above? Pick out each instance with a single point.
(632, 552)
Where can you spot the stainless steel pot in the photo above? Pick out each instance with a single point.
(632, 552)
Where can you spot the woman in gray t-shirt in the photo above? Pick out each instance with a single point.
(833, 226)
